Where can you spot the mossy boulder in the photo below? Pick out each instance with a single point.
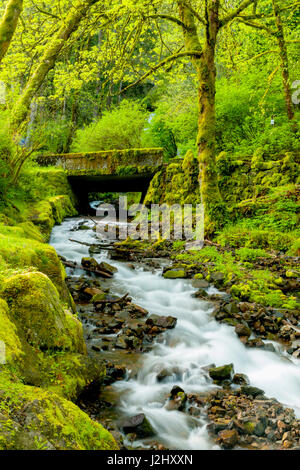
(41, 341)
(68, 374)
(46, 213)
(256, 427)
(35, 419)
(20, 253)
(8, 335)
(221, 373)
(36, 308)
(174, 274)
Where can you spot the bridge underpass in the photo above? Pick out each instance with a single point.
(109, 171)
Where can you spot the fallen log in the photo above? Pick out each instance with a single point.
(105, 247)
(70, 264)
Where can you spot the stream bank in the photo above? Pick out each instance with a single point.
(44, 363)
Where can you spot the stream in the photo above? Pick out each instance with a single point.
(197, 341)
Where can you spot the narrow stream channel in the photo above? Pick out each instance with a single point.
(197, 341)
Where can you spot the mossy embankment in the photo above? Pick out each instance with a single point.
(254, 251)
(44, 363)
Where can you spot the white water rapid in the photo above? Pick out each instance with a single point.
(197, 341)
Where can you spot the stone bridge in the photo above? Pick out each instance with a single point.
(108, 171)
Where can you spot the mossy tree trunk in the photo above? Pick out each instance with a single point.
(284, 61)
(47, 62)
(206, 73)
(206, 139)
(8, 24)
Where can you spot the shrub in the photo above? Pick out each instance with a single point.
(120, 129)
(52, 136)
(158, 134)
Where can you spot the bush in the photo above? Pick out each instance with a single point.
(52, 136)
(117, 129)
(158, 134)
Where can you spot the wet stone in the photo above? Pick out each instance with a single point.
(221, 373)
(162, 322)
(138, 425)
(228, 438)
(252, 391)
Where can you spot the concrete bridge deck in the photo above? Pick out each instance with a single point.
(111, 162)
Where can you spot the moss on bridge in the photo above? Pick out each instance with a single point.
(113, 162)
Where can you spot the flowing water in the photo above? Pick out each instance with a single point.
(197, 341)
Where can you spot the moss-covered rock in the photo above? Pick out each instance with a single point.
(35, 419)
(37, 310)
(42, 349)
(221, 373)
(177, 183)
(53, 210)
(20, 253)
(9, 336)
(174, 274)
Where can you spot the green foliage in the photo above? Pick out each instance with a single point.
(119, 129)
(158, 134)
(240, 235)
(244, 120)
(6, 142)
(251, 254)
(177, 111)
(51, 136)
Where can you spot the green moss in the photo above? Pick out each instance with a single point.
(20, 253)
(22, 230)
(46, 213)
(44, 342)
(67, 374)
(51, 422)
(36, 308)
(249, 427)
(177, 183)
(9, 336)
(174, 274)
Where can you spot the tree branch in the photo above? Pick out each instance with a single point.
(161, 64)
(236, 12)
(173, 19)
(259, 26)
(254, 17)
(44, 12)
(258, 56)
